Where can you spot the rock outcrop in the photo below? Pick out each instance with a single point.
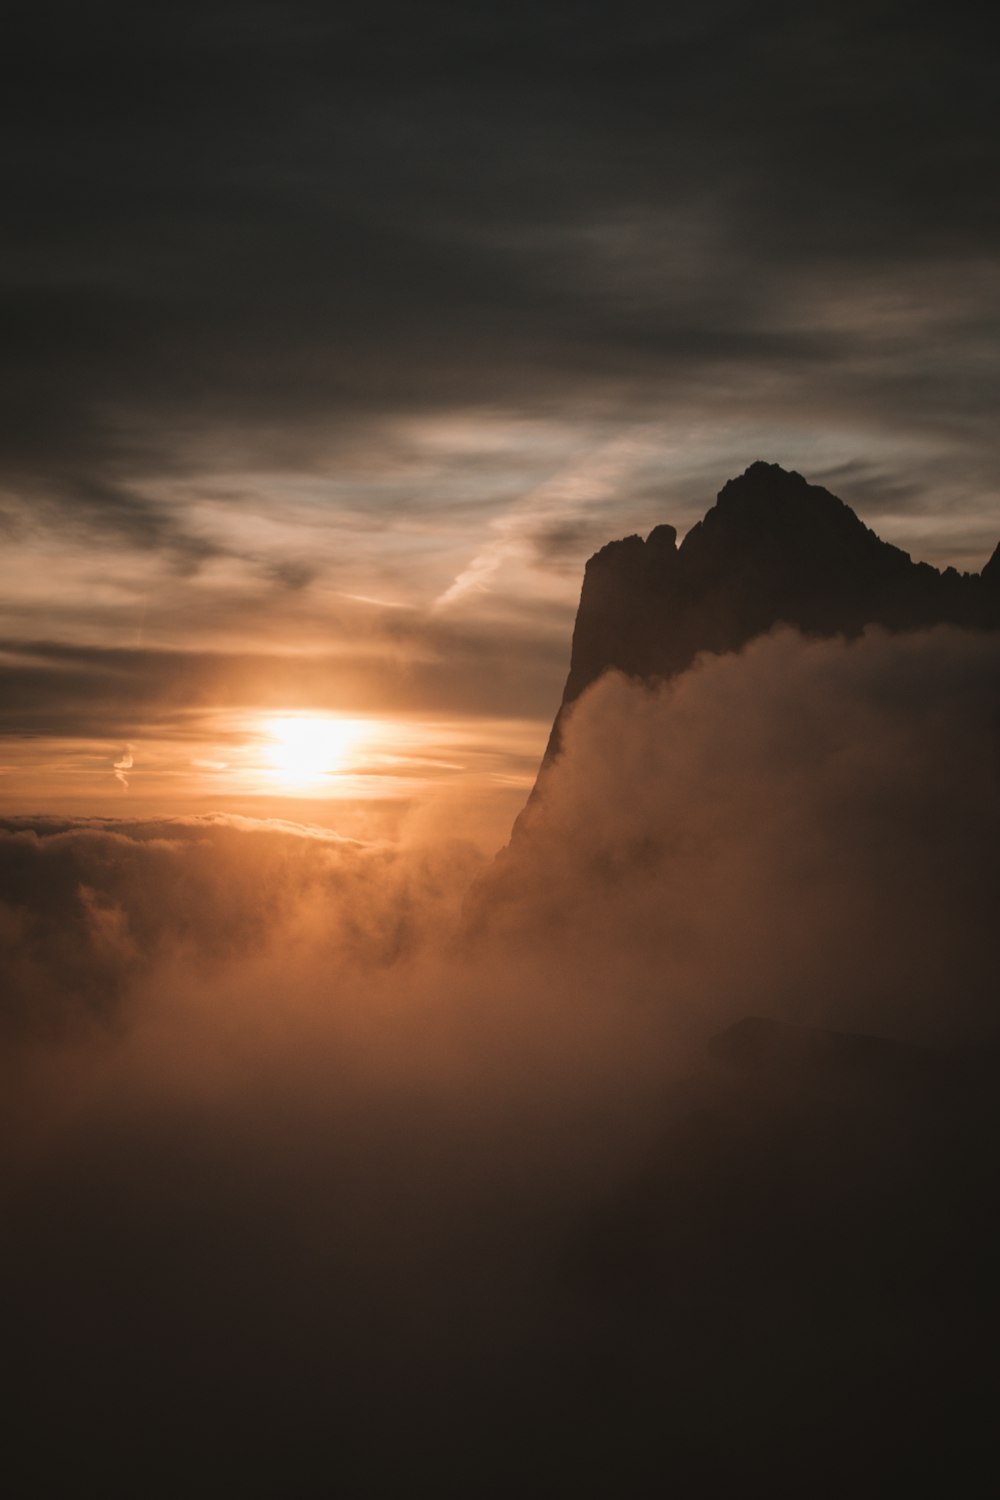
(772, 550)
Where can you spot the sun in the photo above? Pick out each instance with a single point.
(301, 749)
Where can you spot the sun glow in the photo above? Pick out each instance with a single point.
(303, 749)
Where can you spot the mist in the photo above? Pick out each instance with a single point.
(335, 1164)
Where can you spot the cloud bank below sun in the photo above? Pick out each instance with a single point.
(387, 1108)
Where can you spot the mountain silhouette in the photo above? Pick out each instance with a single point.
(773, 550)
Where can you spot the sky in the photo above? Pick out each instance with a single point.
(337, 338)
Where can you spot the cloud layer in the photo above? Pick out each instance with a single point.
(312, 1141)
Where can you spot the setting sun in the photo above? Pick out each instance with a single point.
(303, 748)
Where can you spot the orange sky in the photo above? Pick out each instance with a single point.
(426, 596)
(334, 344)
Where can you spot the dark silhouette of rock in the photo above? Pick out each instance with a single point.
(772, 550)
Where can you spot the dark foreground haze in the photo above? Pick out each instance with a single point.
(352, 1168)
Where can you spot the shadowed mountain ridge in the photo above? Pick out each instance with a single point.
(773, 550)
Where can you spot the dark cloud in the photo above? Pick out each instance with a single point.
(874, 490)
(130, 517)
(559, 543)
(380, 662)
(258, 231)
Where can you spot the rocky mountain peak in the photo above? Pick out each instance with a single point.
(774, 549)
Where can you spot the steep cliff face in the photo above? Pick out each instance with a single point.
(772, 550)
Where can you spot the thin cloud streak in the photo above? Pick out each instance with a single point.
(560, 503)
(125, 764)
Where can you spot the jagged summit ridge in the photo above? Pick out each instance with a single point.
(774, 549)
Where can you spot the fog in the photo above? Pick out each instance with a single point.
(342, 1165)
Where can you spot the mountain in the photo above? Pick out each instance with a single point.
(772, 550)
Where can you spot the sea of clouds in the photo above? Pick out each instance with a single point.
(304, 1135)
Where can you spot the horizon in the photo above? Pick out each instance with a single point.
(373, 774)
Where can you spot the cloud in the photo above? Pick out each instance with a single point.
(126, 763)
(552, 514)
(781, 821)
(317, 1176)
(312, 1137)
(859, 774)
(204, 889)
(693, 214)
